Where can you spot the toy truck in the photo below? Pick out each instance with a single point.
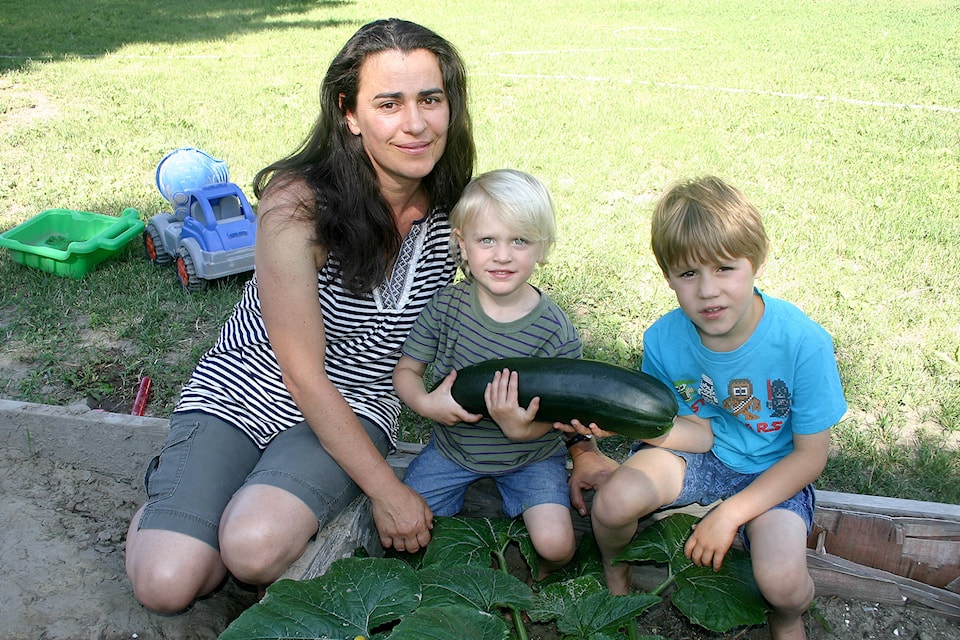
(209, 238)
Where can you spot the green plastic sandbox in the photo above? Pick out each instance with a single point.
(70, 243)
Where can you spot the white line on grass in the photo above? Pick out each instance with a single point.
(759, 92)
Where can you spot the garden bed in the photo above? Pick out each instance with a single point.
(71, 479)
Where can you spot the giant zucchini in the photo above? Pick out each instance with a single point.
(617, 399)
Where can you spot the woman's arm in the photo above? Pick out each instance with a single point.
(287, 262)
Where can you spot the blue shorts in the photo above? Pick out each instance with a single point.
(443, 483)
(205, 461)
(708, 480)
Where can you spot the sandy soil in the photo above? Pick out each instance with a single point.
(61, 549)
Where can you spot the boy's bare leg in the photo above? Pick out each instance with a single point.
(551, 530)
(648, 480)
(778, 541)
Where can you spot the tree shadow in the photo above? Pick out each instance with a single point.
(61, 29)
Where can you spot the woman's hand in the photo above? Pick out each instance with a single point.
(402, 518)
(577, 427)
(591, 469)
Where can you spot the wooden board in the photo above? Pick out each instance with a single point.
(891, 536)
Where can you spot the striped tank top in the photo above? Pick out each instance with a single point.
(239, 379)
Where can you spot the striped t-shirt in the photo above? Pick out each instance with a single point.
(239, 379)
(454, 332)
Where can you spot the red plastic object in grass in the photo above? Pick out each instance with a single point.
(140, 403)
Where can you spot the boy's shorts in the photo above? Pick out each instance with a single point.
(205, 461)
(708, 480)
(443, 483)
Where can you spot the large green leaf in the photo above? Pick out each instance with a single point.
(554, 599)
(449, 622)
(473, 541)
(602, 612)
(716, 600)
(353, 597)
(583, 607)
(661, 542)
(476, 587)
(721, 600)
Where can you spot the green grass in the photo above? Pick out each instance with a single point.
(838, 119)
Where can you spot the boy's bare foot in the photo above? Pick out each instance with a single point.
(618, 578)
(786, 628)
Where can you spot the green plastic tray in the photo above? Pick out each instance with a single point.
(70, 243)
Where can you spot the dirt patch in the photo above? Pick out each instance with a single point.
(62, 530)
(62, 544)
(25, 107)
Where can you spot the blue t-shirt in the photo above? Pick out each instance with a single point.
(783, 380)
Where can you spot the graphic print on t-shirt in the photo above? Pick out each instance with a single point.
(741, 402)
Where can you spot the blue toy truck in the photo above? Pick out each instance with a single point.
(214, 239)
(210, 233)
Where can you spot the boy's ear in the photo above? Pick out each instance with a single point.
(759, 270)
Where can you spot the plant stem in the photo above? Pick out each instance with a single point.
(515, 615)
(663, 585)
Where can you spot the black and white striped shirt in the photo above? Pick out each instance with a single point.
(239, 379)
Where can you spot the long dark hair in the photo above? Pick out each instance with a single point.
(351, 216)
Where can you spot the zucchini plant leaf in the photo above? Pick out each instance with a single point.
(473, 541)
(452, 621)
(715, 600)
(661, 542)
(721, 600)
(551, 602)
(583, 608)
(602, 612)
(354, 596)
(475, 587)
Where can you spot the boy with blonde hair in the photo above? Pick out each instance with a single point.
(503, 226)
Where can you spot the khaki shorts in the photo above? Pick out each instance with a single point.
(206, 460)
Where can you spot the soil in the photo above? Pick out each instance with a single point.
(61, 549)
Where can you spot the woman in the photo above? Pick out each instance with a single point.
(290, 415)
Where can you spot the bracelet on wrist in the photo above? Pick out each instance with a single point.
(578, 438)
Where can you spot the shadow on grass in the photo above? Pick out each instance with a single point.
(45, 31)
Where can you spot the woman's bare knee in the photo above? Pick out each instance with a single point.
(168, 582)
(263, 531)
(169, 570)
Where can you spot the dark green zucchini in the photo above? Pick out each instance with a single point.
(617, 399)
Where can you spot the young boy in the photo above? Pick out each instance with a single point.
(503, 226)
(762, 373)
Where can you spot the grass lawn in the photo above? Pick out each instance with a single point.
(839, 120)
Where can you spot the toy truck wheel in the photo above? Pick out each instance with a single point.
(187, 272)
(153, 243)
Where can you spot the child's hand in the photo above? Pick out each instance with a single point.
(712, 537)
(576, 426)
(439, 405)
(503, 403)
